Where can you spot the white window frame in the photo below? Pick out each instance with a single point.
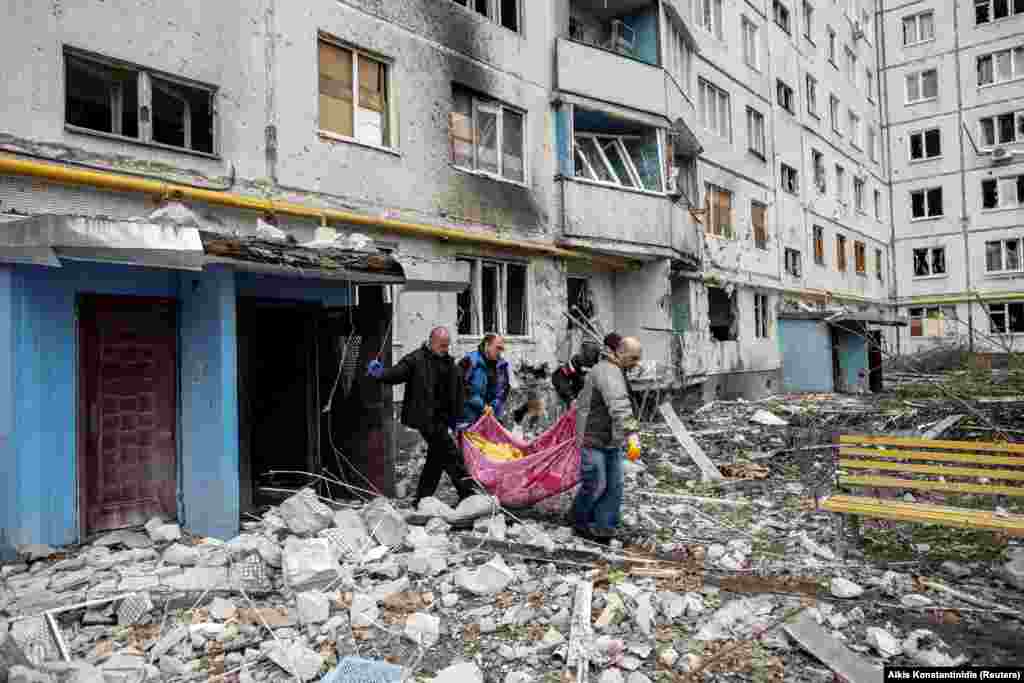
(840, 184)
(928, 215)
(1003, 202)
(924, 151)
(916, 19)
(497, 108)
(756, 133)
(793, 262)
(784, 91)
(762, 317)
(930, 260)
(878, 204)
(855, 129)
(859, 201)
(711, 218)
(599, 142)
(1003, 270)
(705, 90)
(818, 237)
(834, 109)
(808, 20)
(869, 83)
(501, 314)
(750, 35)
(1016, 58)
(818, 169)
(494, 13)
(811, 85)
(789, 179)
(1005, 313)
(711, 12)
(918, 76)
(831, 54)
(1013, 7)
(680, 57)
(872, 142)
(1018, 129)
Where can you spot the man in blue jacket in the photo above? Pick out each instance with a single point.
(485, 380)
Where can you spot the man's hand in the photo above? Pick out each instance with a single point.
(633, 447)
(488, 410)
(375, 369)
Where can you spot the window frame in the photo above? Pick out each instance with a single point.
(785, 97)
(751, 48)
(859, 199)
(869, 84)
(1005, 314)
(1016, 66)
(790, 184)
(834, 108)
(475, 287)
(753, 117)
(786, 22)
(930, 261)
(1017, 125)
(840, 173)
(878, 265)
(820, 178)
(1016, 179)
(811, 85)
(762, 316)
(841, 264)
(855, 129)
(712, 209)
(715, 17)
(493, 15)
(480, 103)
(389, 134)
(818, 241)
(1011, 11)
(860, 258)
(760, 241)
(1003, 270)
(923, 132)
(850, 59)
(831, 47)
(877, 194)
(793, 262)
(808, 21)
(919, 77)
(144, 77)
(619, 142)
(871, 142)
(925, 313)
(704, 88)
(928, 216)
(916, 18)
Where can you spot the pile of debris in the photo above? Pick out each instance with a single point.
(737, 574)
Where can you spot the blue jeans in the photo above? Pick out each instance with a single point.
(598, 502)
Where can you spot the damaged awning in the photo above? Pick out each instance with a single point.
(46, 239)
(686, 141)
(295, 260)
(836, 318)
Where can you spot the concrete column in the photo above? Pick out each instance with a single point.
(209, 404)
(8, 456)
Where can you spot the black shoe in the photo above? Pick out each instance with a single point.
(589, 535)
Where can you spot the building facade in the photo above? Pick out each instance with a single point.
(953, 75)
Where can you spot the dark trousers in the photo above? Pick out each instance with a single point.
(442, 456)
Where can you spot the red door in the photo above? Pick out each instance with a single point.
(128, 410)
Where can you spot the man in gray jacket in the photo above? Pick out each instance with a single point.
(604, 424)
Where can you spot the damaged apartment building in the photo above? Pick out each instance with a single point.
(214, 215)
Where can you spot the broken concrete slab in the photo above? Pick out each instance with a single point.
(489, 579)
(763, 417)
(223, 609)
(707, 468)
(927, 649)
(11, 655)
(24, 674)
(313, 607)
(295, 658)
(831, 651)
(844, 588)
(385, 523)
(423, 629)
(364, 610)
(126, 537)
(350, 534)
(310, 563)
(162, 532)
(883, 642)
(181, 555)
(304, 514)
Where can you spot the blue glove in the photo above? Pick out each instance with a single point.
(375, 369)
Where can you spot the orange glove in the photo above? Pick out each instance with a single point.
(633, 447)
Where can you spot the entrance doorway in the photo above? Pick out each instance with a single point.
(127, 411)
(875, 378)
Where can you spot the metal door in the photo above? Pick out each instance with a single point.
(128, 410)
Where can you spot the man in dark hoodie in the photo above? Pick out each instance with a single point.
(568, 379)
(432, 404)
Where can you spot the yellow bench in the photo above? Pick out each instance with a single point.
(966, 467)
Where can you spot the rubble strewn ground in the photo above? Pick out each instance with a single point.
(744, 578)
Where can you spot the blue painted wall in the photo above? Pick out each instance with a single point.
(209, 404)
(645, 23)
(853, 357)
(8, 461)
(806, 347)
(563, 142)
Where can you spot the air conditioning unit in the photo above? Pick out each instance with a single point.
(1002, 154)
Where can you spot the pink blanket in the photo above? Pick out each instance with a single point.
(551, 464)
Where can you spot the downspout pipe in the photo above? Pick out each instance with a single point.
(113, 181)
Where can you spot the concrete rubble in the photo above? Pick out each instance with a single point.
(316, 589)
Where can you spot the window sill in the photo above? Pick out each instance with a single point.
(612, 186)
(334, 137)
(1002, 209)
(917, 278)
(489, 176)
(926, 100)
(1004, 274)
(135, 141)
(925, 160)
(998, 21)
(925, 219)
(996, 84)
(919, 43)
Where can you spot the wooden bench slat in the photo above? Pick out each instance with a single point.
(933, 469)
(894, 482)
(937, 456)
(916, 512)
(914, 442)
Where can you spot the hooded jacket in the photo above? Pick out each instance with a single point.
(422, 409)
(474, 387)
(604, 411)
(568, 379)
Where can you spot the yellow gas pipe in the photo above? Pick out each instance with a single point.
(58, 173)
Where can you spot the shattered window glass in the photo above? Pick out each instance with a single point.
(922, 267)
(938, 261)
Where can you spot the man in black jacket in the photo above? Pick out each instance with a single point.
(432, 403)
(568, 379)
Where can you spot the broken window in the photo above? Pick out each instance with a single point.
(929, 261)
(818, 161)
(926, 203)
(819, 245)
(784, 96)
(354, 95)
(925, 144)
(497, 299)
(1004, 256)
(759, 221)
(860, 258)
(486, 136)
(108, 97)
(718, 216)
(762, 317)
(580, 303)
(680, 305)
(933, 321)
(1002, 193)
(623, 153)
(721, 316)
(1006, 318)
(793, 265)
(841, 253)
(878, 264)
(1003, 129)
(790, 179)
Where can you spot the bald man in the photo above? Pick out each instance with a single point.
(432, 403)
(604, 423)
